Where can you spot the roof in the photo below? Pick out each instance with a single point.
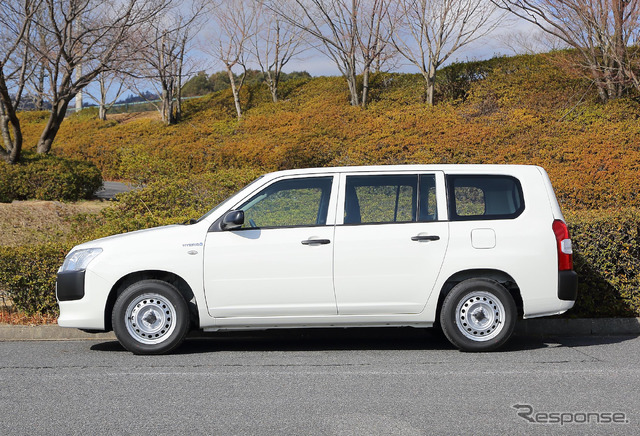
(447, 168)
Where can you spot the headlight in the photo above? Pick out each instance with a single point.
(79, 259)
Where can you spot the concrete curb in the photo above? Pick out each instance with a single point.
(544, 327)
(578, 327)
(49, 332)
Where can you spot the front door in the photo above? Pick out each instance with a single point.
(280, 262)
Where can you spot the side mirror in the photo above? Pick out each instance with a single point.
(232, 220)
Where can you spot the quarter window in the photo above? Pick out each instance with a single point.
(289, 203)
(484, 197)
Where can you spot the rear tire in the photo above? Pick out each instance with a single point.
(150, 317)
(478, 315)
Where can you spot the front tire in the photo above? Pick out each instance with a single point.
(150, 317)
(478, 315)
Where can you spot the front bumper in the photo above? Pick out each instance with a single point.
(70, 285)
(88, 311)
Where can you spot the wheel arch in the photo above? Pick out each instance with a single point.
(165, 276)
(496, 275)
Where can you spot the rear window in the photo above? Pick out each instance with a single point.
(484, 197)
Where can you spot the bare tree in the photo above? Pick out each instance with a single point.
(376, 24)
(350, 32)
(430, 31)
(111, 85)
(235, 22)
(15, 32)
(601, 31)
(275, 43)
(87, 32)
(36, 83)
(165, 43)
(36, 86)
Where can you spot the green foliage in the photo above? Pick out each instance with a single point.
(201, 84)
(454, 81)
(607, 259)
(48, 178)
(28, 274)
(87, 113)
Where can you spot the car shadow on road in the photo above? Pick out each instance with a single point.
(354, 339)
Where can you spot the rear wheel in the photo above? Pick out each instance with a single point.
(478, 315)
(150, 317)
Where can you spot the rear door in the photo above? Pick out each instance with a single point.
(390, 241)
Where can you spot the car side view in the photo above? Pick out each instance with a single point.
(469, 247)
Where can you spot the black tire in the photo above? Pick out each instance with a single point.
(478, 315)
(150, 317)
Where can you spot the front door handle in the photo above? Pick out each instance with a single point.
(316, 242)
(425, 238)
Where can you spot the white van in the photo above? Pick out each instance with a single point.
(471, 247)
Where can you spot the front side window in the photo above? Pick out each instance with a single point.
(289, 203)
(484, 197)
(389, 199)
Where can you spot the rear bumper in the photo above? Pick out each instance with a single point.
(567, 285)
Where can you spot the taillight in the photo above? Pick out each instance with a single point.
(563, 242)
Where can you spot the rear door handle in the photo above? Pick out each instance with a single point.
(316, 242)
(425, 238)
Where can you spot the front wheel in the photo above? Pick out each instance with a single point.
(478, 315)
(150, 317)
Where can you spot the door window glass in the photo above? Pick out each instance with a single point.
(428, 206)
(380, 199)
(288, 203)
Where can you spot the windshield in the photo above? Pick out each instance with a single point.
(217, 206)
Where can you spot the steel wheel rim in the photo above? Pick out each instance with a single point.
(150, 318)
(480, 316)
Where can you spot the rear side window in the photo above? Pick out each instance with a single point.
(484, 197)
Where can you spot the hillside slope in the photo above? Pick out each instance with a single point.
(524, 109)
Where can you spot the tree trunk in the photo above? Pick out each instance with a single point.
(272, 80)
(178, 115)
(102, 112)
(39, 103)
(166, 109)
(58, 112)
(13, 146)
(352, 83)
(9, 123)
(431, 81)
(365, 87)
(236, 93)
(620, 47)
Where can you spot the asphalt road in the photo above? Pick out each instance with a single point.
(385, 382)
(109, 190)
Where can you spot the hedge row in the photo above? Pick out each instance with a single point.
(28, 274)
(607, 259)
(48, 178)
(606, 245)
